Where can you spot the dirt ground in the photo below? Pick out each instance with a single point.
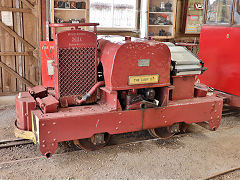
(197, 154)
(7, 118)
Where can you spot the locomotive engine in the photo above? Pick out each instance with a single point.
(111, 85)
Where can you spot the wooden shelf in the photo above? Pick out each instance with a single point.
(161, 12)
(162, 37)
(158, 25)
(153, 29)
(63, 9)
(67, 14)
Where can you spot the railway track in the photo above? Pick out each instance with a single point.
(230, 111)
(14, 142)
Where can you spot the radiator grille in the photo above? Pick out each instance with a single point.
(77, 70)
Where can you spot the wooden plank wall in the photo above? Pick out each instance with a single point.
(21, 57)
(7, 44)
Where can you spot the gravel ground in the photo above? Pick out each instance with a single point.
(197, 154)
(7, 119)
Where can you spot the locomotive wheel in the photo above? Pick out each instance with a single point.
(161, 133)
(88, 145)
(184, 127)
(164, 132)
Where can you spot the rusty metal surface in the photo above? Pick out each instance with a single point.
(72, 124)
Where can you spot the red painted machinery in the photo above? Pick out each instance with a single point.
(112, 85)
(219, 48)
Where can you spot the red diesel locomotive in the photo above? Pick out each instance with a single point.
(111, 85)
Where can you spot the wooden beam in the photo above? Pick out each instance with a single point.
(8, 93)
(14, 34)
(12, 72)
(28, 4)
(15, 10)
(16, 53)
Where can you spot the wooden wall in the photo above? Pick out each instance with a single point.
(19, 45)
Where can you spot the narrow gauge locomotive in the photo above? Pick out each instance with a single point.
(111, 85)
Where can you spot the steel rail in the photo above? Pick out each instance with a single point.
(14, 142)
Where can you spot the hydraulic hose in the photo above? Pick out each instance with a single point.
(90, 93)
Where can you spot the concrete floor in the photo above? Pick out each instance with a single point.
(195, 155)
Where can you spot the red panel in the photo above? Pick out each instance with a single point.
(188, 110)
(183, 87)
(47, 58)
(70, 123)
(76, 39)
(48, 104)
(219, 50)
(25, 103)
(110, 98)
(120, 59)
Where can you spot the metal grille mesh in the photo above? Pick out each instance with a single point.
(77, 70)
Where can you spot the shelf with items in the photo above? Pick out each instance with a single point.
(160, 32)
(161, 19)
(61, 9)
(161, 12)
(158, 25)
(193, 16)
(69, 11)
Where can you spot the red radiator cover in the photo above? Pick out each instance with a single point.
(76, 65)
